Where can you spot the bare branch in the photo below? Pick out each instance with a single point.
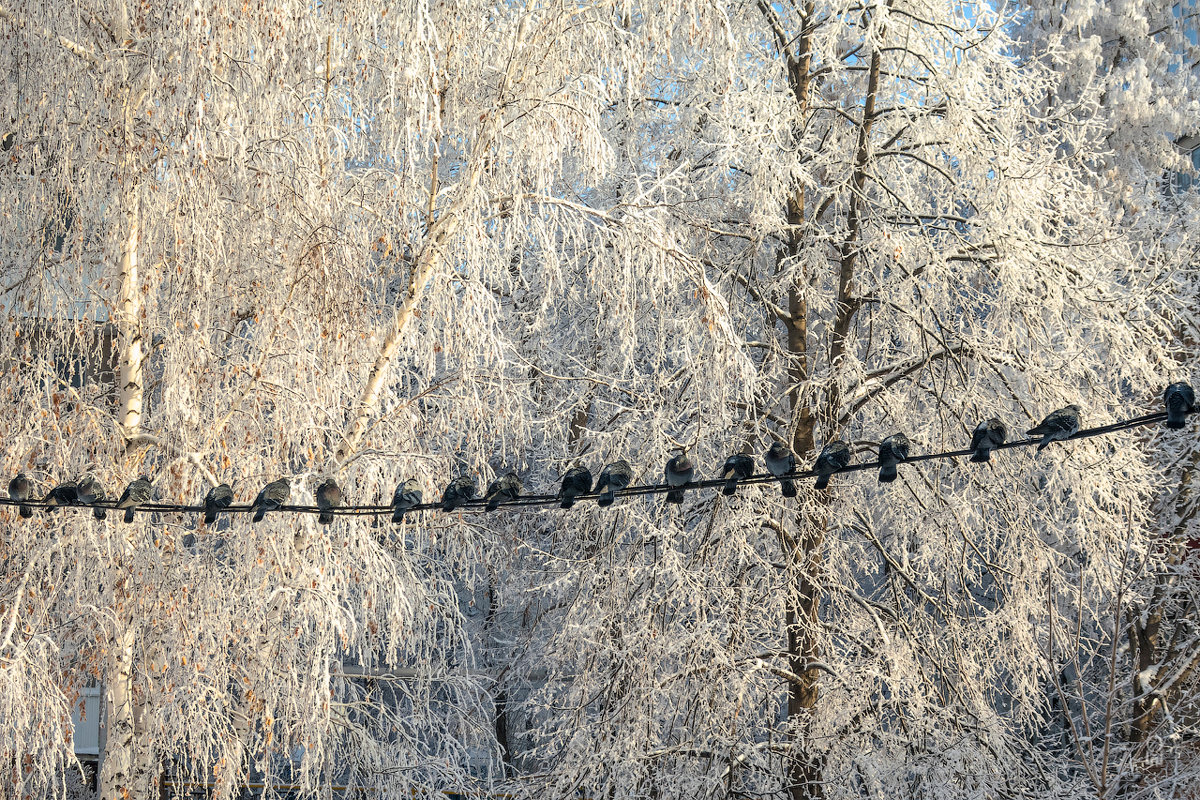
(71, 47)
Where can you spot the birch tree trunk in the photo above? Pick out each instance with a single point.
(130, 382)
(442, 228)
(119, 773)
(368, 402)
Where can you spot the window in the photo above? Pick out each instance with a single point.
(1187, 180)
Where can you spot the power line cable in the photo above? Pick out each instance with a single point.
(543, 500)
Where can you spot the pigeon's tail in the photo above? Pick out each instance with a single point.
(493, 502)
(788, 487)
(822, 482)
(25, 511)
(1175, 418)
(129, 515)
(887, 473)
(448, 506)
(568, 500)
(730, 487)
(325, 517)
(675, 496)
(398, 516)
(259, 514)
(607, 499)
(210, 517)
(981, 455)
(1046, 440)
(100, 513)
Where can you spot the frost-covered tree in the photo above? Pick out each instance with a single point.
(850, 220)
(248, 242)
(1133, 70)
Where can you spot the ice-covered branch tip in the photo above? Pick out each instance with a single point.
(615, 479)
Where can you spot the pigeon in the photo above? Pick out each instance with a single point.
(328, 496)
(988, 435)
(1180, 401)
(461, 490)
(892, 451)
(135, 494)
(577, 481)
(780, 461)
(737, 467)
(408, 494)
(679, 471)
(504, 489)
(19, 489)
(833, 457)
(1058, 425)
(99, 511)
(613, 478)
(218, 497)
(61, 495)
(272, 496)
(89, 492)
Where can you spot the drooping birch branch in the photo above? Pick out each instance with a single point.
(72, 47)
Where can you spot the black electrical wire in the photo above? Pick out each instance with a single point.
(542, 500)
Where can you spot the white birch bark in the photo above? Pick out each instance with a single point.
(117, 774)
(130, 380)
(422, 272)
(441, 231)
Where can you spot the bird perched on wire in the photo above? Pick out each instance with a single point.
(218, 497)
(89, 492)
(738, 466)
(272, 496)
(892, 451)
(20, 489)
(781, 461)
(1180, 401)
(679, 472)
(62, 495)
(1057, 426)
(136, 493)
(461, 490)
(408, 494)
(613, 478)
(577, 481)
(834, 456)
(504, 489)
(988, 435)
(328, 496)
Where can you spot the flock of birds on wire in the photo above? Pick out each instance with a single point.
(991, 434)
